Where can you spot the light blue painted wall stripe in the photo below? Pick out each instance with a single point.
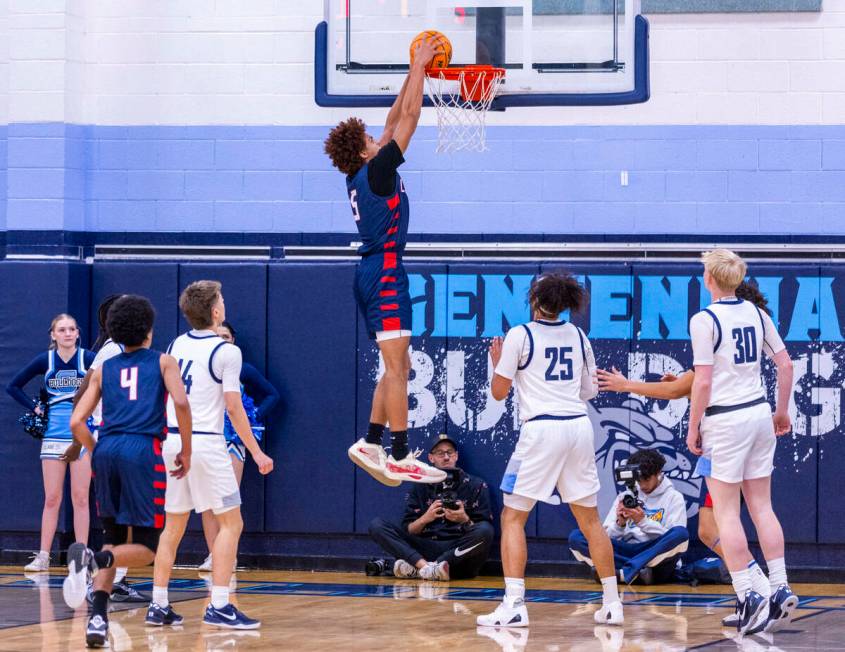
(682, 179)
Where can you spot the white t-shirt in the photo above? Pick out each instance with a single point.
(210, 366)
(732, 334)
(109, 350)
(552, 366)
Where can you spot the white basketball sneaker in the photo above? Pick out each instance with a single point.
(39, 563)
(410, 469)
(372, 458)
(403, 570)
(510, 613)
(435, 571)
(610, 614)
(205, 567)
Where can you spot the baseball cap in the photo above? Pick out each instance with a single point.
(440, 439)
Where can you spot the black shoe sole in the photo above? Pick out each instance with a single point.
(95, 640)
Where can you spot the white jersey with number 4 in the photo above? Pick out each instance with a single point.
(552, 366)
(732, 335)
(210, 366)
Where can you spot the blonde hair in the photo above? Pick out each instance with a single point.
(56, 320)
(197, 300)
(727, 268)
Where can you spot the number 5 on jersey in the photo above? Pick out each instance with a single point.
(187, 380)
(129, 380)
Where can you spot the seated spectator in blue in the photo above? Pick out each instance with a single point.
(647, 540)
(447, 528)
(259, 398)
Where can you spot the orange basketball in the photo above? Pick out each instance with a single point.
(442, 44)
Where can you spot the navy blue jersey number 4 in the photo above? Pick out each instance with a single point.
(560, 365)
(745, 340)
(186, 375)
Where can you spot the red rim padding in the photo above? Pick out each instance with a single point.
(470, 90)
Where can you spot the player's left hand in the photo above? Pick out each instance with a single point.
(456, 515)
(183, 465)
(636, 515)
(264, 463)
(496, 350)
(782, 422)
(694, 441)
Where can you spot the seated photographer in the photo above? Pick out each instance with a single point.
(447, 527)
(647, 524)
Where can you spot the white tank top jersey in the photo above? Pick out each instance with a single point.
(106, 352)
(732, 334)
(552, 366)
(210, 366)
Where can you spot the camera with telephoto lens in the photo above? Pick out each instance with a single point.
(628, 474)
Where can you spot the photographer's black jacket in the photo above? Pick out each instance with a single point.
(472, 491)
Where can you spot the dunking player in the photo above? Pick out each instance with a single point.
(732, 427)
(552, 365)
(211, 370)
(381, 212)
(128, 467)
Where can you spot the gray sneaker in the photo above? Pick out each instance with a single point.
(435, 571)
(403, 570)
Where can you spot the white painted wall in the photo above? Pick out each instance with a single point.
(189, 62)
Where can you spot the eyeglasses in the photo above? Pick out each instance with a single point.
(445, 453)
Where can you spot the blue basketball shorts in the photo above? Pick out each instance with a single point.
(130, 480)
(381, 291)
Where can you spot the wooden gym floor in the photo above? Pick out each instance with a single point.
(343, 611)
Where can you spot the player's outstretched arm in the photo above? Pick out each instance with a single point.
(393, 116)
(240, 422)
(84, 409)
(670, 389)
(411, 106)
(176, 388)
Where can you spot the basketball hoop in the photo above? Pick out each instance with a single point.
(462, 97)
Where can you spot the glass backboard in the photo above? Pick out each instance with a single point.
(555, 52)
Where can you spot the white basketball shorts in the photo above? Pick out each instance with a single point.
(739, 445)
(210, 482)
(552, 454)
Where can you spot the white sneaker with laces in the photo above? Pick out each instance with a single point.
(435, 571)
(372, 458)
(610, 614)
(39, 563)
(410, 469)
(403, 570)
(509, 613)
(205, 566)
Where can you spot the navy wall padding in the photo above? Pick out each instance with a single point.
(312, 361)
(33, 293)
(298, 323)
(245, 299)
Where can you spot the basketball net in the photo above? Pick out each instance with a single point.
(462, 97)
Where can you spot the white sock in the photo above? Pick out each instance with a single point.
(219, 596)
(43, 553)
(759, 581)
(514, 588)
(610, 591)
(160, 596)
(742, 582)
(119, 574)
(777, 573)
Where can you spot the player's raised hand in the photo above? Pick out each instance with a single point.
(782, 422)
(496, 350)
(425, 51)
(611, 381)
(183, 465)
(264, 463)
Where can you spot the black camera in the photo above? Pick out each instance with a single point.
(376, 567)
(628, 474)
(449, 500)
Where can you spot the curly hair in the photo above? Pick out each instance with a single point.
(130, 320)
(102, 313)
(345, 144)
(749, 291)
(555, 292)
(650, 461)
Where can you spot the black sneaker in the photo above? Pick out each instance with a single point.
(123, 591)
(753, 613)
(97, 632)
(159, 616)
